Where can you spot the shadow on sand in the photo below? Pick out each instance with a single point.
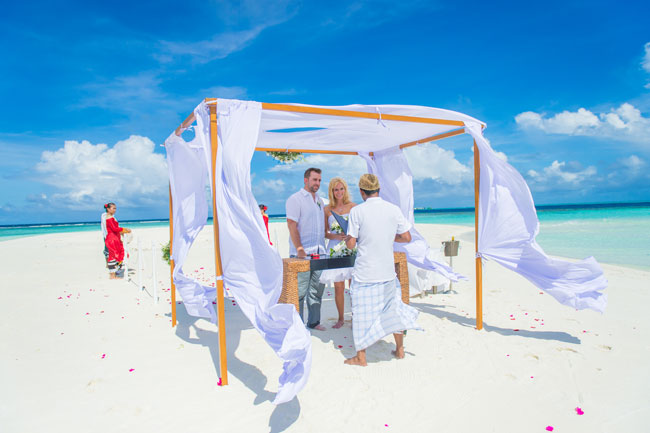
(439, 311)
(283, 415)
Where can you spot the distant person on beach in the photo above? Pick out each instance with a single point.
(263, 209)
(113, 240)
(341, 204)
(377, 307)
(307, 236)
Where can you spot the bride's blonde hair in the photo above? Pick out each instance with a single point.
(330, 192)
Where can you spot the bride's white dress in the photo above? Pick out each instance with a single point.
(330, 276)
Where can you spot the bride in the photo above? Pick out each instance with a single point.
(340, 203)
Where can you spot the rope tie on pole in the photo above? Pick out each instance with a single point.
(379, 121)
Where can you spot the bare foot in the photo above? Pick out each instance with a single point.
(399, 353)
(356, 361)
(338, 324)
(319, 328)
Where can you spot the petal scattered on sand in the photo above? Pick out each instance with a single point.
(103, 356)
(340, 347)
(219, 383)
(549, 428)
(131, 370)
(579, 411)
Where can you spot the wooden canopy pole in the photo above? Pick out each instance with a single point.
(171, 261)
(221, 315)
(479, 265)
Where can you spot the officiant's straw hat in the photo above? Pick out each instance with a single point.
(369, 182)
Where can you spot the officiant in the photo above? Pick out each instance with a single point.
(375, 293)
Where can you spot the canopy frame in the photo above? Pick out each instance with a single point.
(214, 141)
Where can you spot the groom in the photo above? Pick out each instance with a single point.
(377, 307)
(306, 222)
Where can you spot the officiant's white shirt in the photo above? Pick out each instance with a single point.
(375, 223)
(310, 216)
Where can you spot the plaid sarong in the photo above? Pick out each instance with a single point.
(377, 311)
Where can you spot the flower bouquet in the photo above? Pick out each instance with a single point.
(340, 249)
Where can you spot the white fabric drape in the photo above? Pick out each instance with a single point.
(396, 186)
(187, 177)
(508, 226)
(252, 268)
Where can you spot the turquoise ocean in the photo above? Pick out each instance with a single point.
(612, 233)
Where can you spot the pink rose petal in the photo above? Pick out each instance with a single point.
(549, 428)
(219, 383)
(103, 356)
(579, 411)
(340, 347)
(131, 370)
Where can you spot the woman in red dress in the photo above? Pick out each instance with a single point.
(113, 241)
(263, 209)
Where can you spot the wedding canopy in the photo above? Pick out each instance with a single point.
(226, 134)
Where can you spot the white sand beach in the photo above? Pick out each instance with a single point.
(83, 353)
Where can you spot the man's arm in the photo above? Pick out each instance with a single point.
(403, 238)
(295, 237)
(350, 242)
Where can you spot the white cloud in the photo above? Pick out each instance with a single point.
(632, 162)
(427, 161)
(625, 122)
(142, 99)
(219, 47)
(373, 13)
(645, 63)
(243, 22)
(88, 175)
(430, 161)
(269, 186)
(559, 174)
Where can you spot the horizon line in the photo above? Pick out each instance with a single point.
(415, 210)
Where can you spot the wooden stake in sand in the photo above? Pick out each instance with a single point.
(221, 316)
(171, 261)
(479, 265)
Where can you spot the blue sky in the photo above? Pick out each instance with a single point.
(90, 91)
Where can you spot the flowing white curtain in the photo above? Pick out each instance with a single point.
(187, 178)
(396, 186)
(252, 268)
(507, 229)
